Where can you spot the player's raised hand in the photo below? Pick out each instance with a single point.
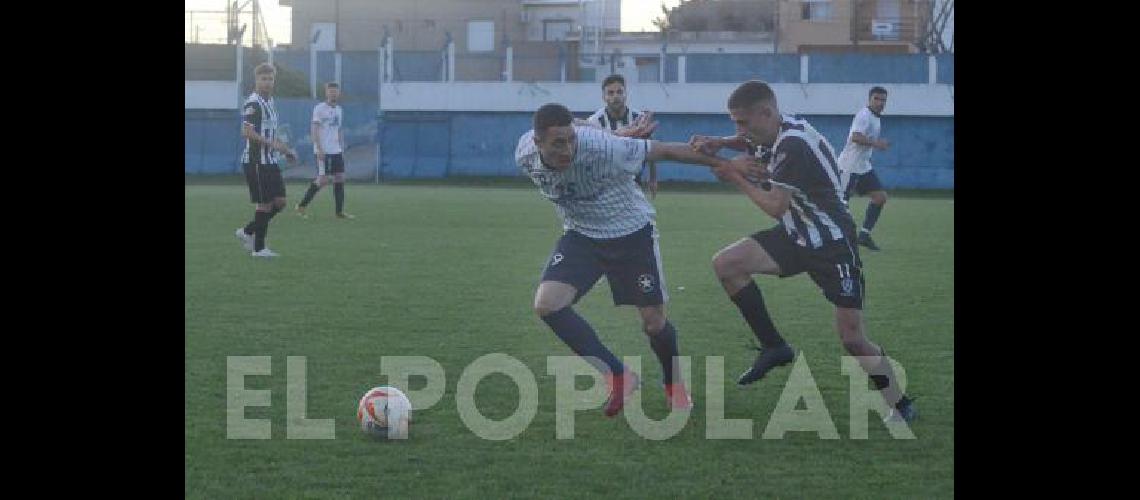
(705, 144)
(641, 128)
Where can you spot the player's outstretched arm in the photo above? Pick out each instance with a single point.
(710, 145)
(679, 151)
(773, 201)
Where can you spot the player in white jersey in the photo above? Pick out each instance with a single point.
(588, 174)
(855, 161)
(615, 115)
(328, 147)
(260, 161)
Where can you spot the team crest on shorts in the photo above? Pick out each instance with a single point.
(848, 284)
(556, 259)
(645, 281)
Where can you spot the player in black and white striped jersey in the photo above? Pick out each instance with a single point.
(260, 160)
(615, 115)
(816, 234)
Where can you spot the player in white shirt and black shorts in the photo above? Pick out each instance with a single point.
(855, 162)
(328, 147)
(609, 227)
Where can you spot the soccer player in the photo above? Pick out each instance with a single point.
(588, 174)
(616, 115)
(260, 161)
(855, 161)
(328, 146)
(800, 188)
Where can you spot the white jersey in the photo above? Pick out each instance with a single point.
(328, 118)
(597, 195)
(856, 158)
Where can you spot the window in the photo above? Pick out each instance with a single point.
(816, 10)
(555, 30)
(480, 36)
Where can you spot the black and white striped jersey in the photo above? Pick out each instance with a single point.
(603, 118)
(804, 163)
(262, 114)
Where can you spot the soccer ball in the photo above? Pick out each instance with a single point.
(384, 412)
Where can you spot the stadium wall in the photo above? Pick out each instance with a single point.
(433, 129)
(441, 144)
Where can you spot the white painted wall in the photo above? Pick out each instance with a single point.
(204, 94)
(812, 98)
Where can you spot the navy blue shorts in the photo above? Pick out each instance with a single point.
(631, 263)
(862, 184)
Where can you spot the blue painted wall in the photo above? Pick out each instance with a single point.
(440, 144)
(772, 68)
(359, 68)
(945, 68)
(213, 142)
(864, 68)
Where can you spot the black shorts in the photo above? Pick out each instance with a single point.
(265, 182)
(631, 263)
(334, 164)
(863, 183)
(835, 268)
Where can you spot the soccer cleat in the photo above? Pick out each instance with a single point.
(344, 215)
(904, 411)
(300, 211)
(767, 359)
(865, 240)
(620, 387)
(265, 252)
(678, 397)
(246, 239)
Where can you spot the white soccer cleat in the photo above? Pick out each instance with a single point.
(246, 239)
(265, 252)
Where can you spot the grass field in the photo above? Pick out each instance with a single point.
(449, 272)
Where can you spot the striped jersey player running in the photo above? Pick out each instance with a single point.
(799, 187)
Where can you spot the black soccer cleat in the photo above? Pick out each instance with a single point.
(767, 359)
(904, 411)
(865, 240)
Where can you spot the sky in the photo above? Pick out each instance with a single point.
(636, 15)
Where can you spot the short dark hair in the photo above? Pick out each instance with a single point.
(877, 90)
(613, 78)
(332, 85)
(264, 68)
(551, 115)
(749, 93)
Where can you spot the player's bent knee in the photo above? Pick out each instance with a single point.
(725, 265)
(544, 309)
(652, 322)
(879, 198)
(544, 305)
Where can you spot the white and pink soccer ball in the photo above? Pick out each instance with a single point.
(385, 412)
